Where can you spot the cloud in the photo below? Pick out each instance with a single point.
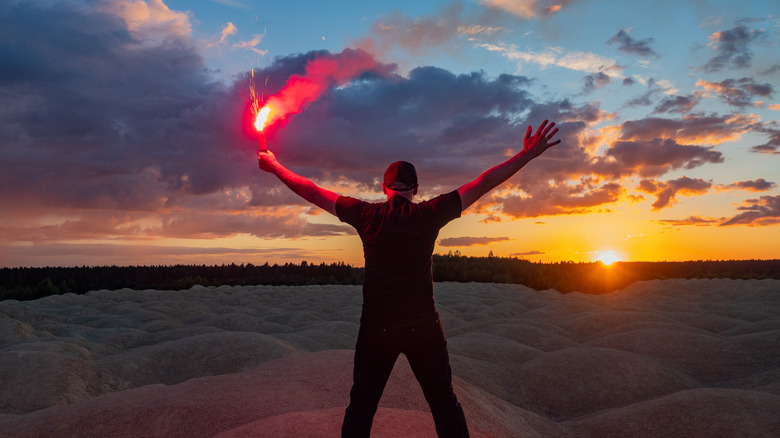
(471, 241)
(527, 253)
(690, 221)
(595, 81)
(85, 254)
(656, 157)
(233, 3)
(524, 8)
(738, 92)
(764, 211)
(281, 222)
(419, 35)
(587, 62)
(149, 19)
(107, 135)
(478, 30)
(690, 129)
(629, 45)
(252, 44)
(125, 120)
(732, 48)
(229, 29)
(323, 72)
(757, 185)
(667, 191)
(556, 199)
(770, 147)
(450, 126)
(774, 69)
(123, 139)
(677, 104)
(477, 22)
(644, 100)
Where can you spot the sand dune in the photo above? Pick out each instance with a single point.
(673, 358)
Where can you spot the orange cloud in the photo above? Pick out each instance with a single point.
(667, 191)
(557, 199)
(471, 241)
(738, 92)
(520, 8)
(757, 185)
(691, 129)
(229, 29)
(285, 222)
(764, 211)
(152, 17)
(690, 220)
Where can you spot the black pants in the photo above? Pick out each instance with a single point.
(425, 347)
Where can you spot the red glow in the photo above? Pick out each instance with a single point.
(321, 74)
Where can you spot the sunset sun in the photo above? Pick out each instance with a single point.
(608, 257)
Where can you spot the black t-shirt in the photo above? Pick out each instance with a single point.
(398, 239)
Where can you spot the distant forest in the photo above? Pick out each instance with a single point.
(594, 278)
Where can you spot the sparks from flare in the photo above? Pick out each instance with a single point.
(262, 113)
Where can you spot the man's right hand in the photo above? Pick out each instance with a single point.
(267, 161)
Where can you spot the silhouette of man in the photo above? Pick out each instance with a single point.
(399, 314)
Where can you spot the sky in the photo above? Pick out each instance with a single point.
(124, 134)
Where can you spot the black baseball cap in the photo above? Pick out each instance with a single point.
(400, 176)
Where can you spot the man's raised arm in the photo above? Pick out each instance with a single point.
(533, 146)
(303, 187)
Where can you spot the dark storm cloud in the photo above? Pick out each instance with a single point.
(627, 44)
(101, 121)
(125, 123)
(122, 137)
(447, 125)
(732, 48)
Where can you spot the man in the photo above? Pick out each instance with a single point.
(399, 315)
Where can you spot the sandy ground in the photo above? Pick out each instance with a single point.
(672, 358)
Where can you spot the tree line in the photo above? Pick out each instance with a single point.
(33, 283)
(591, 277)
(595, 278)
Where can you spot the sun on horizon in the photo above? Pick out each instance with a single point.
(608, 257)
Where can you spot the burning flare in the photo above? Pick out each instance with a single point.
(262, 117)
(322, 73)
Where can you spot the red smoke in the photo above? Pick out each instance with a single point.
(322, 73)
